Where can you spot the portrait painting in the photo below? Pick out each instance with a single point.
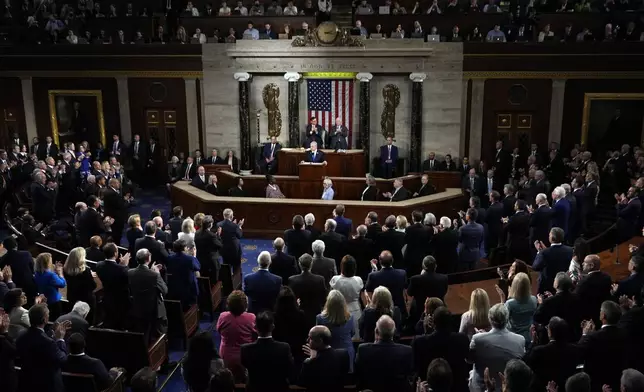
(611, 120)
(76, 116)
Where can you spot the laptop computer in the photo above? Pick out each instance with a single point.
(397, 35)
(282, 36)
(376, 36)
(247, 36)
(384, 10)
(497, 39)
(194, 40)
(433, 38)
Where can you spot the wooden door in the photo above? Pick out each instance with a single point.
(9, 125)
(515, 130)
(161, 125)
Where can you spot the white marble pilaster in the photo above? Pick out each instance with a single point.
(417, 77)
(28, 104)
(191, 113)
(556, 110)
(202, 141)
(464, 109)
(123, 93)
(476, 119)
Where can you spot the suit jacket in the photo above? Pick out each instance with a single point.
(508, 205)
(338, 138)
(182, 282)
(266, 150)
(231, 234)
(603, 355)
(344, 226)
(199, 183)
(324, 267)
(540, 223)
(208, 245)
(319, 137)
(428, 165)
(147, 289)
(335, 246)
(269, 364)
(114, 205)
(549, 262)
(423, 286)
(384, 366)
(426, 190)
(41, 359)
(493, 350)
(22, 268)
(477, 190)
(384, 155)
(90, 224)
(315, 233)
(393, 279)
(555, 361)
(191, 173)
(592, 291)
(363, 250)
(283, 265)
(319, 156)
(157, 249)
(503, 164)
(561, 214)
(401, 195)
(445, 245)
(79, 324)
(94, 254)
(42, 200)
(451, 346)
(142, 153)
(373, 230)
(212, 161)
(392, 241)
(262, 289)
(370, 193)
(516, 233)
(175, 226)
(562, 304)
(417, 239)
(84, 364)
(470, 237)
(327, 372)
(628, 218)
(630, 286)
(297, 242)
(632, 323)
(42, 151)
(119, 148)
(115, 283)
(493, 216)
(311, 290)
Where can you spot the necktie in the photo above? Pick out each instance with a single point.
(472, 183)
(152, 148)
(314, 155)
(431, 164)
(136, 148)
(272, 150)
(48, 150)
(489, 185)
(115, 147)
(389, 156)
(188, 171)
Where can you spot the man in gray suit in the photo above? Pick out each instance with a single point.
(470, 237)
(323, 266)
(494, 349)
(147, 290)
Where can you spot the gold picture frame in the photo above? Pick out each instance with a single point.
(504, 121)
(53, 113)
(590, 97)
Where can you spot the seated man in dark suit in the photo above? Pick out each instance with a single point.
(388, 158)
(392, 279)
(384, 366)
(80, 363)
(551, 260)
(282, 265)
(426, 285)
(147, 289)
(41, 357)
(338, 138)
(327, 368)
(310, 289)
(314, 155)
(262, 287)
(183, 269)
(431, 163)
(77, 319)
(199, 180)
(631, 286)
(399, 193)
(269, 156)
(268, 361)
(426, 188)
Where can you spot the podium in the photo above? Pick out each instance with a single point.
(312, 171)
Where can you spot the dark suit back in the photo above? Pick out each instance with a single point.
(90, 224)
(493, 216)
(470, 238)
(268, 363)
(392, 241)
(334, 245)
(115, 283)
(561, 214)
(41, 359)
(555, 361)
(324, 267)
(417, 239)
(517, 233)
(592, 291)
(175, 227)
(311, 290)
(423, 286)
(84, 364)
(297, 242)
(327, 372)
(363, 250)
(384, 367)
(283, 265)
(157, 249)
(79, 324)
(565, 305)
(208, 245)
(393, 279)
(182, 282)
(344, 226)
(147, 290)
(262, 289)
(230, 236)
(549, 262)
(540, 223)
(445, 244)
(450, 346)
(22, 268)
(603, 356)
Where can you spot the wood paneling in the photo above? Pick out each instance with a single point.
(498, 101)
(574, 102)
(11, 99)
(107, 86)
(161, 94)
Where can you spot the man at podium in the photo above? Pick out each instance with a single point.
(314, 155)
(339, 134)
(314, 133)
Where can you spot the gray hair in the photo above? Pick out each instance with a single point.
(228, 213)
(632, 381)
(386, 327)
(362, 230)
(264, 259)
(541, 197)
(539, 173)
(559, 192)
(318, 247)
(330, 224)
(316, 144)
(174, 159)
(309, 219)
(278, 243)
(430, 219)
(327, 181)
(518, 375)
(446, 222)
(305, 261)
(91, 179)
(81, 308)
(566, 188)
(498, 316)
(67, 155)
(371, 179)
(142, 255)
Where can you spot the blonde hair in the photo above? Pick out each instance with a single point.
(401, 222)
(327, 181)
(382, 301)
(75, 263)
(131, 221)
(521, 288)
(188, 226)
(43, 263)
(335, 308)
(479, 308)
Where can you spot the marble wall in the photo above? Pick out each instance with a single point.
(403, 113)
(258, 82)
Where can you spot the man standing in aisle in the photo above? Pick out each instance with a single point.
(388, 158)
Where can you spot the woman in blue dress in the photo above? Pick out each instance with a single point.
(84, 157)
(338, 319)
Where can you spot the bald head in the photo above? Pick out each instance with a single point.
(385, 329)
(320, 337)
(591, 263)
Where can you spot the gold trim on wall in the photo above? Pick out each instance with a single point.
(553, 75)
(53, 116)
(590, 97)
(104, 74)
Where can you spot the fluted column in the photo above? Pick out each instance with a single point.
(556, 110)
(365, 114)
(293, 79)
(244, 118)
(476, 119)
(30, 112)
(416, 139)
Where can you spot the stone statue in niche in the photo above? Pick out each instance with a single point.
(270, 96)
(391, 95)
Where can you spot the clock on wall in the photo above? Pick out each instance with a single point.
(327, 33)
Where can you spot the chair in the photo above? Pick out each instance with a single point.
(75, 382)
(209, 296)
(181, 324)
(128, 350)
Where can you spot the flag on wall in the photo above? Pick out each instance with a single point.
(329, 99)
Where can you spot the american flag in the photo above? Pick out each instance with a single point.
(329, 99)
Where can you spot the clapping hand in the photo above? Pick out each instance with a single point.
(307, 350)
(500, 273)
(607, 388)
(125, 259)
(490, 383)
(219, 230)
(587, 326)
(626, 303)
(60, 329)
(552, 387)
(41, 299)
(613, 288)
(156, 267)
(533, 333)
(500, 293)
(421, 386)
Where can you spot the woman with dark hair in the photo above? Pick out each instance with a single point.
(222, 381)
(350, 286)
(202, 362)
(272, 189)
(291, 325)
(236, 327)
(505, 282)
(580, 250)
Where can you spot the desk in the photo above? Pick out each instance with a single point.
(340, 164)
(268, 218)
